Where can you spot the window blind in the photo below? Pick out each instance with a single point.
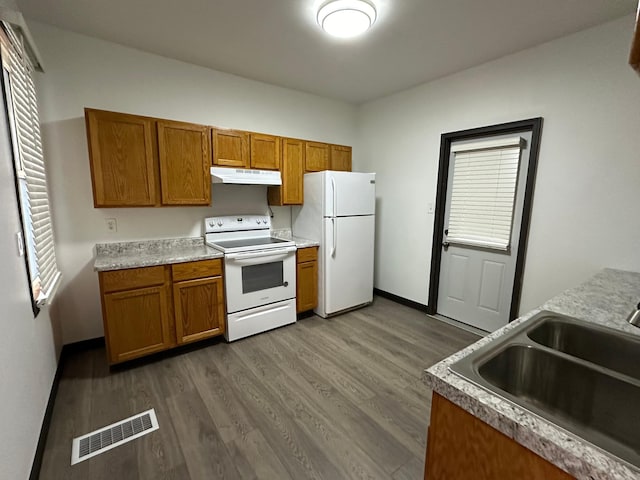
(31, 167)
(483, 192)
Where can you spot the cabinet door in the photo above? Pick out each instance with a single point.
(136, 323)
(340, 158)
(122, 158)
(292, 170)
(199, 308)
(316, 157)
(265, 152)
(307, 286)
(230, 148)
(184, 153)
(493, 455)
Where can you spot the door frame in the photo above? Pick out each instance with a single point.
(535, 126)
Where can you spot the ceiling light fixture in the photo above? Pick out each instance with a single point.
(346, 18)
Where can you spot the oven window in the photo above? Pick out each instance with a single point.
(261, 277)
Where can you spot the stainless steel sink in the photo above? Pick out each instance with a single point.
(605, 347)
(565, 371)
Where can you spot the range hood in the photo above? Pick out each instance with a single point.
(241, 176)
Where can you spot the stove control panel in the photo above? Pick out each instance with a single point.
(237, 223)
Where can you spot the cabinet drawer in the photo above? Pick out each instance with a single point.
(117, 280)
(199, 269)
(307, 254)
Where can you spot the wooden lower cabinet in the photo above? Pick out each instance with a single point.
(462, 447)
(306, 279)
(199, 309)
(151, 309)
(137, 322)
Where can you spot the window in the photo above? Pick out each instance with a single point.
(485, 175)
(21, 110)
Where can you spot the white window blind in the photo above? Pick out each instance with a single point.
(31, 168)
(483, 193)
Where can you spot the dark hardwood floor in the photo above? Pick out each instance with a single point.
(322, 399)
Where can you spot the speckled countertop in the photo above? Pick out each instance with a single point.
(605, 299)
(285, 234)
(147, 253)
(118, 256)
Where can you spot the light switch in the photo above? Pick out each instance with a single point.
(20, 242)
(112, 225)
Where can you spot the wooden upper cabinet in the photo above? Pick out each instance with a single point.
(140, 161)
(340, 158)
(292, 170)
(122, 158)
(230, 148)
(316, 157)
(265, 151)
(184, 155)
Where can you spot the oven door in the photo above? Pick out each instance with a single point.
(260, 277)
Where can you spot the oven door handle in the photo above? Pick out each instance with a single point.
(278, 252)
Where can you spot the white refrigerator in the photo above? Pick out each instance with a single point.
(339, 212)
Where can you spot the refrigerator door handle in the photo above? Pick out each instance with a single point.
(335, 239)
(335, 195)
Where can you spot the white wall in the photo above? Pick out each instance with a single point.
(28, 353)
(86, 72)
(585, 211)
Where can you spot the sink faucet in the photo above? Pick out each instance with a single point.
(634, 317)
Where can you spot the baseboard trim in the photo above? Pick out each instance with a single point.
(461, 325)
(401, 300)
(83, 345)
(307, 314)
(46, 421)
(48, 412)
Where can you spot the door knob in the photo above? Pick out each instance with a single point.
(445, 245)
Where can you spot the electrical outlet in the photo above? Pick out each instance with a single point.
(430, 208)
(112, 225)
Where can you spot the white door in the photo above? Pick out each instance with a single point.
(348, 263)
(483, 215)
(349, 194)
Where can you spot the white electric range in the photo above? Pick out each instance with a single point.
(260, 273)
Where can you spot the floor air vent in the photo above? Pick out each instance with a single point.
(109, 437)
